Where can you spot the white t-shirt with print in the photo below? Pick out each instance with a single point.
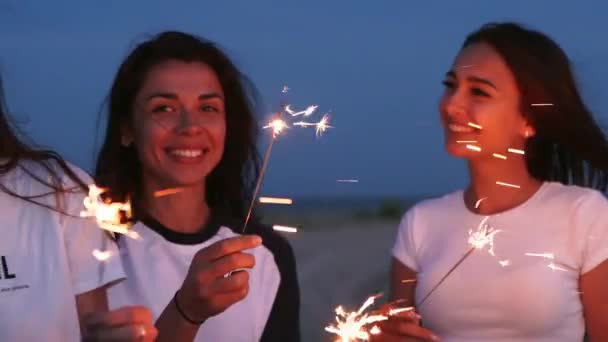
(529, 289)
(46, 258)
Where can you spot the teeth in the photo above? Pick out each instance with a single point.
(187, 153)
(460, 128)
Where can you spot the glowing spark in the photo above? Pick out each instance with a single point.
(516, 151)
(277, 125)
(504, 263)
(321, 126)
(483, 236)
(508, 185)
(541, 104)
(306, 112)
(474, 125)
(549, 256)
(474, 148)
(395, 311)
(275, 200)
(167, 192)
(466, 141)
(102, 255)
(285, 229)
(108, 215)
(347, 181)
(409, 281)
(350, 326)
(285, 89)
(478, 203)
(374, 330)
(499, 156)
(554, 267)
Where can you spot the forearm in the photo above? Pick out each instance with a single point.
(173, 327)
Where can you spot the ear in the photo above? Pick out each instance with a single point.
(528, 131)
(126, 135)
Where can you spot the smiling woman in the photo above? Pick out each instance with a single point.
(181, 117)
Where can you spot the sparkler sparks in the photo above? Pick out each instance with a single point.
(499, 156)
(351, 326)
(478, 239)
(347, 181)
(516, 151)
(466, 141)
(275, 200)
(278, 125)
(109, 216)
(321, 126)
(504, 263)
(285, 229)
(306, 112)
(102, 255)
(473, 148)
(167, 192)
(474, 125)
(508, 185)
(541, 104)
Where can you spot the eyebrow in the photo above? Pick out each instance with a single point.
(173, 96)
(475, 79)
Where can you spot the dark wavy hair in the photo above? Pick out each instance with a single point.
(569, 146)
(14, 150)
(230, 185)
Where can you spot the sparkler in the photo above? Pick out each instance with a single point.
(109, 216)
(278, 125)
(351, 326)
(478, 239)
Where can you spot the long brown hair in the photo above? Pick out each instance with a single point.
(229, 187)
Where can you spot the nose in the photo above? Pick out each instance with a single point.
(189, 123)
(453, 105)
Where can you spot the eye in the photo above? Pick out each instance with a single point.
(449, 84)
(209, 108)
(162, 109)
(479, 92)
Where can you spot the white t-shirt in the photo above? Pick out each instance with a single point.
(516, 295)
(46, 258)
(157, 264)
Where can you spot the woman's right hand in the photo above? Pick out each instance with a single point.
(401, 327)
(130, 323)
(210, 286)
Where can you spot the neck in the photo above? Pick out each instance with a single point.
(184, 211)
(484, 175)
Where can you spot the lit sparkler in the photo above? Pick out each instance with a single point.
(321, 126)
(352, 326)
(109, 216)
(278, 125)
(478, 239)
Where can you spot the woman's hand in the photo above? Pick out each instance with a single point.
(133, 323)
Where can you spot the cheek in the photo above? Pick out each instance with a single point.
(148, 138)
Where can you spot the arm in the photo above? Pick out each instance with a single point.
(90, 302)
(595, 302)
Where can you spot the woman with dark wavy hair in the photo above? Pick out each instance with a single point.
(181, 119)
(511, 90)
(50, 280)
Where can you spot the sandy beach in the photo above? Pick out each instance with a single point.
(340, 266)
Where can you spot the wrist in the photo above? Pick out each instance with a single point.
(186, 316)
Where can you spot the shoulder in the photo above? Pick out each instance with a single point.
(574, 196)
(429, 207)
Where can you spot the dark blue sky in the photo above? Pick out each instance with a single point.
(377, 65)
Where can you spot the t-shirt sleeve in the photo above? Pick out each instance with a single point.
(283, 322)
(593, 239)
(93, 257)
(404, 248)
